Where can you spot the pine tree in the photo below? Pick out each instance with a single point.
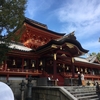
(11, 18)
(98, 56)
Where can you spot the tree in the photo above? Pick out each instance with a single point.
(11, 15)
(11, 18)
(93, 53)
(98, 56)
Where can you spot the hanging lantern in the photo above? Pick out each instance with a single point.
(14, 62)
(81, 70)
(25, 63)
(33, 65)
(40, 63)
(85, 70)
(2, 64)
(63, 65)
(55, 56)
(72, 60)
(76, 69)
(58, 64)
(60, 47)
(67, 68)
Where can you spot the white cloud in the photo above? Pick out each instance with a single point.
(79, 11)
(80, 15)
(83, 17)
(34, 7)
(31, 8)
(92, 46)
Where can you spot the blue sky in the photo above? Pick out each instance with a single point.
(66, 16)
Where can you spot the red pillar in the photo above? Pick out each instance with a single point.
(7, 77)
(73, 67)
(55, 66)
(22, 64)
(37, 64)
(5, 65)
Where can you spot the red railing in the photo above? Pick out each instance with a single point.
(19, 71)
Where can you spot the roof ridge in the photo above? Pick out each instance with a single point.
(36, 22)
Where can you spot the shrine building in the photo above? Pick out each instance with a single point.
(43, 53)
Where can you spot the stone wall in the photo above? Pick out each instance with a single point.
(14, 85)
(48, 93)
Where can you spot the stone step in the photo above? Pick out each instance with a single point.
(84, 94)
(95, 99)
(80, 91)
(87, 97)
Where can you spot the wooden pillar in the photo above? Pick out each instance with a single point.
(5, 65)
(55, 65)
(7, 77)
(37, 64)
(26, 75)
(79, 69)
(64, 68)
(22, 64)
(73, 67)
(2, 65)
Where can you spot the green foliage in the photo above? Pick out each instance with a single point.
(98, 56)
(11, 19)
(3, 52)
(93, 53)
(11, 15)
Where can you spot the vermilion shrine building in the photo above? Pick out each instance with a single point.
(41, 52)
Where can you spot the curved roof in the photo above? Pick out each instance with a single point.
(70, 38)
(17, 46)
(41, 26)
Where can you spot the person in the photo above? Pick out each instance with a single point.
(82, 79)
(98, 89)
(79, 79)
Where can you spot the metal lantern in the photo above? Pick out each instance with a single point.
(85, 70)
(76, 69)
(63, 65)
(55, 56)
(25, 63)
(40, 63)
(33, 65)
(60, 47)
(67, 68)
(14, 62)
(72, 60)
(81, 70)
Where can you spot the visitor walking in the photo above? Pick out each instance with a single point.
(82, 79)
(79, 79)
(98, 89)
